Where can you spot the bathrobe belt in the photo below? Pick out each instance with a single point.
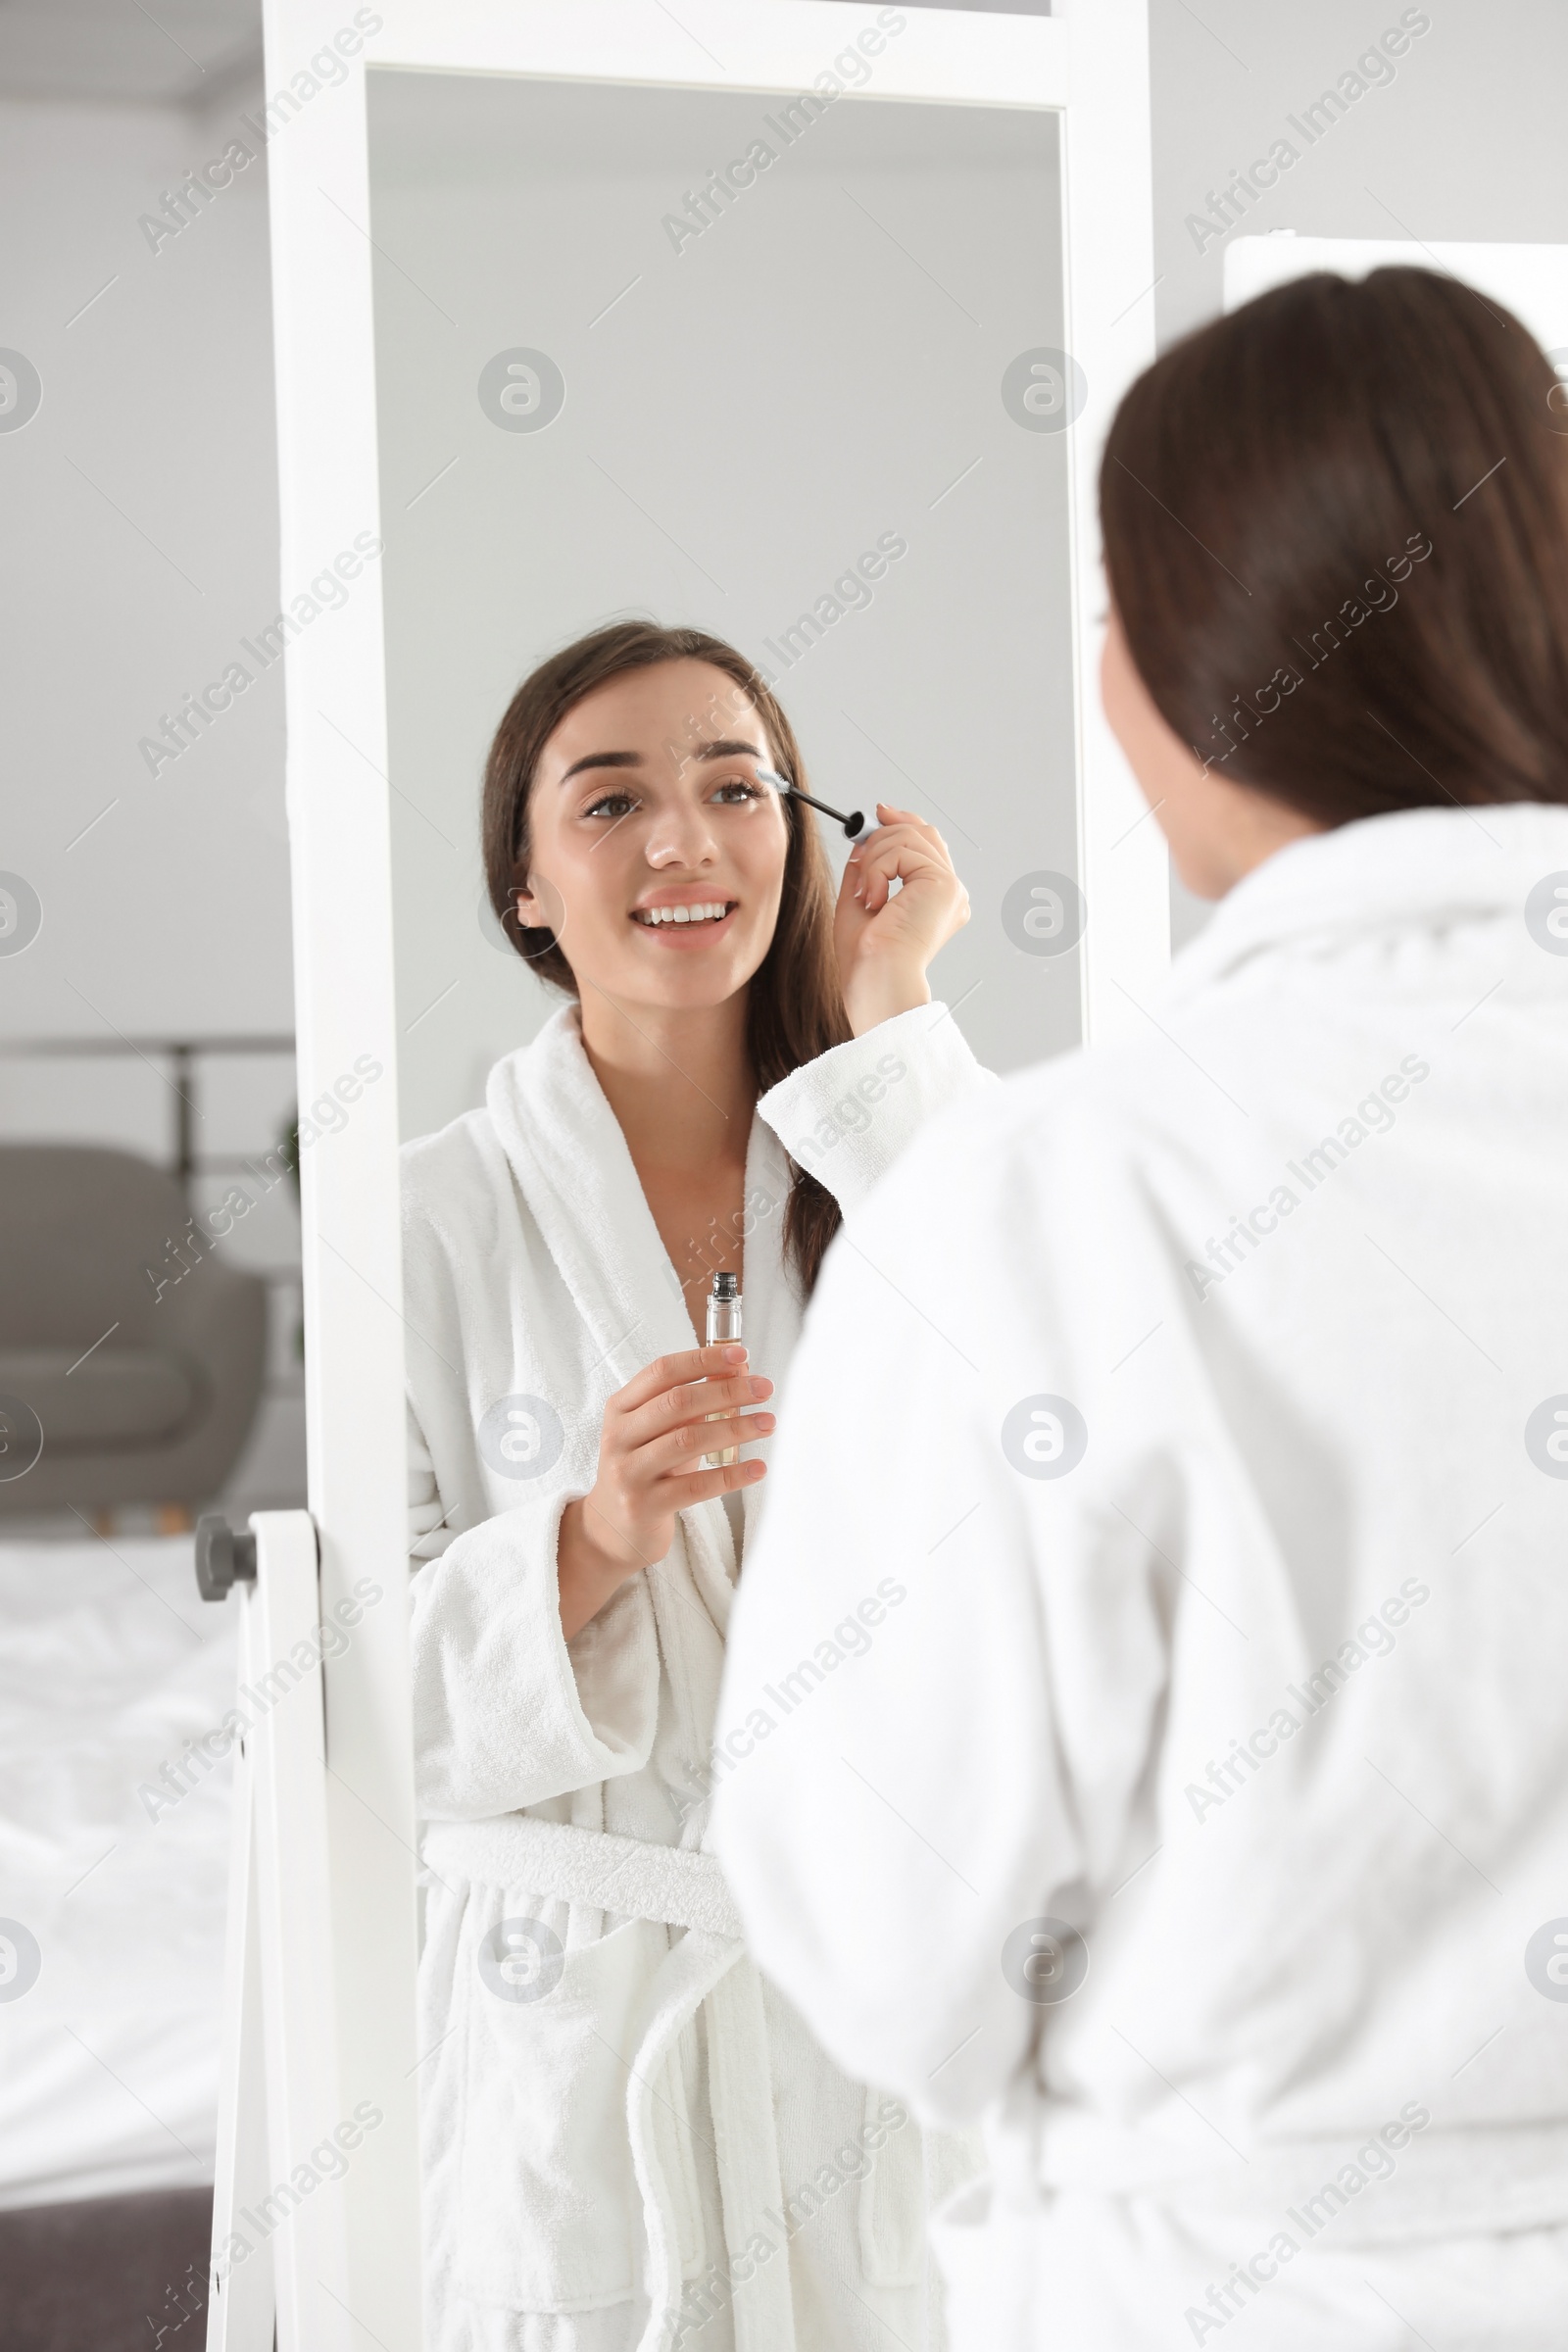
(681, 1889)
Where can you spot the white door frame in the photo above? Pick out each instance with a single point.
(1090, 63)
(1532, 279)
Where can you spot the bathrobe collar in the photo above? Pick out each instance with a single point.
(1411, 871)
(571, 1159)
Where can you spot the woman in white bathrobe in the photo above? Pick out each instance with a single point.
(1200, 1818)
(630, 2140)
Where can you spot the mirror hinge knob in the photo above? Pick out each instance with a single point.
(224, 1559)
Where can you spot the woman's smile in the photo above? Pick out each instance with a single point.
(686, 921)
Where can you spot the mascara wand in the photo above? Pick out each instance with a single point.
(853, 823)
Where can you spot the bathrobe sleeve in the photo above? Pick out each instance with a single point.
(506, 1712)
(912, 1774)
(847, 1116)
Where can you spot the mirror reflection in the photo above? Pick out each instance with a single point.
(734, 838)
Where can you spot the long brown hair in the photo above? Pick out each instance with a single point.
(1336, 531)
(795, 1004)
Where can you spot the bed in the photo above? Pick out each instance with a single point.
(112, 1880)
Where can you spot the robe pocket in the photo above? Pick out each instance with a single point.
(892, 2202)
(551, 2216)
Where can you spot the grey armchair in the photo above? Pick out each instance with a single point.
(141, 1394)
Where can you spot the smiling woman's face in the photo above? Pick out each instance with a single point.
(657, 857)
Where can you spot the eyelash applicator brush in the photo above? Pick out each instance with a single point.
(853, 823)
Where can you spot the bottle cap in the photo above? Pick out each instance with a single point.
(727, 1285)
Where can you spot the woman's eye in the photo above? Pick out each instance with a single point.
(610, 804)
(738, 789)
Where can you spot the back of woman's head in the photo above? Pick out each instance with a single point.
(1336, 529)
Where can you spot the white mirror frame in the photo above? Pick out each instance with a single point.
(1091, 65)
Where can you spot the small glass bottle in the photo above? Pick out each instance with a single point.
(723, 1324)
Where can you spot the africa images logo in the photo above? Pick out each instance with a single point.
(522, 1438)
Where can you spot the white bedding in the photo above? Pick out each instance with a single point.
(108, 1664)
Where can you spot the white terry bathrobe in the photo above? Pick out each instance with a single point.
(630, 2140)
(1224, 1377)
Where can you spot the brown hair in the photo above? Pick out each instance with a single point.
(1336, 531)
(795, 1004)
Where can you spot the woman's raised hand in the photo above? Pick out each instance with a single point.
(651, 1446)
(885, 940)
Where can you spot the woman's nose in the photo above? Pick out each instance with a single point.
(681, 837)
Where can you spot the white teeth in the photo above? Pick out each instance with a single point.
(651, 915)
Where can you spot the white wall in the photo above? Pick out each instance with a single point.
(141, 545)
(143, 496)
(1465, 141)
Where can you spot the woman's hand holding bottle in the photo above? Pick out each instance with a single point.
(655, 1433)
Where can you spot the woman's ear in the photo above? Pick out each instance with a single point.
(539, 905)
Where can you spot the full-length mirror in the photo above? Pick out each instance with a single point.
(788, 371)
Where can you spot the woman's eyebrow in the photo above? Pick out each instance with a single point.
(603, 759)
(727, 748)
